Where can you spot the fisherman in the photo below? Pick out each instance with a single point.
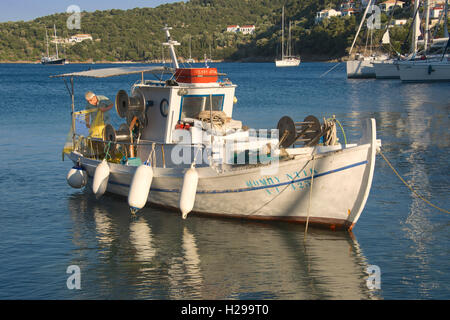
(102, 104)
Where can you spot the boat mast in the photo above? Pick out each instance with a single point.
(427, 24)
(46, 37)
(282, 35)
(445, 19)
(171, 43)
(416, 27)
(56, 41)
(289, 43)
(190, 49)
(360, 25)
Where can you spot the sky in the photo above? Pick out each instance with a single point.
(15, 10)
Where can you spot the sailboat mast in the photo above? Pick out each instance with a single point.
(190, 50)
(46, 37)
(56, 41)
(289, 43)
(427, 25)
(360, 25)
(416, 26)
(445, 19)
(282, 35)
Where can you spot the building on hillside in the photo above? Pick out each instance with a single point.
(348, 12)
(233, 28)
(347, 5)
(249, 29)
(327, 13)
(390, 5)
(398, 22)
(80, 38)
(435, 12)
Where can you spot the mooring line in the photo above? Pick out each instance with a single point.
(325, 73)
(411, 188)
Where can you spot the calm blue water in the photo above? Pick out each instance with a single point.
(45, 226)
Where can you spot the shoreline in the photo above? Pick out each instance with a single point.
(304, 58)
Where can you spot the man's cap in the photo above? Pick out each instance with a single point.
(89, 95)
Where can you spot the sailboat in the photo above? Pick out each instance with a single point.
(362, 66)
(287, 60)
(52, 59)
(434, 69)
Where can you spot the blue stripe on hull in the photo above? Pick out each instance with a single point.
(253, 188)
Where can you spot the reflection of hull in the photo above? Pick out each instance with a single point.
(342, 181)
(360, 69)
(170, 260)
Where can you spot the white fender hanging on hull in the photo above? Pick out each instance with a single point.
(101, 177)
(77, 177)
(140, 187)
(188, 191)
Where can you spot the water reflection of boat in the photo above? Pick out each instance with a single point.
(213, 258)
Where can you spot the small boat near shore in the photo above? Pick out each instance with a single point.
(180, 148)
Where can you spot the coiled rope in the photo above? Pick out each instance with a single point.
(411, 188)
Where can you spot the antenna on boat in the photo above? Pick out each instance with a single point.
(171, 43)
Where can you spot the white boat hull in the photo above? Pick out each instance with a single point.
(360, 69)
(386, 70)
(340, 186)
(287, 62)
(425, 71)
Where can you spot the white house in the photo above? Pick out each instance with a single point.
(347, 5)
(249, 29)
(390, 5)
(80, 38)
(435, 12)
(398, 22)
(234, 28)
(327, 13)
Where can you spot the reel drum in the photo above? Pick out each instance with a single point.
(130, 107)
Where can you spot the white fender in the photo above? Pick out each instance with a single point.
(77, 177)
(188, 191)
(140, 187)
(101, 177)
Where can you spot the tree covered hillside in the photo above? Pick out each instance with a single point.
(121, 35)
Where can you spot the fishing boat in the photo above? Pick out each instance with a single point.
(180, 148)
(288, 59)
(56, 60)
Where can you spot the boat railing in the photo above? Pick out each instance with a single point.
(98, 149)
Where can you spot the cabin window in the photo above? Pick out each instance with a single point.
(191, 106)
